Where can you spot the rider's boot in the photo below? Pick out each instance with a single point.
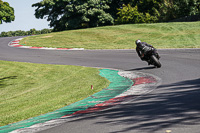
(158, 56)
(149, 62)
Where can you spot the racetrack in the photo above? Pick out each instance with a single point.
(173, 105)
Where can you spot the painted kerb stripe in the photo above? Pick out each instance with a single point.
(118, 85)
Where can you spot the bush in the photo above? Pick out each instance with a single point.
(25, 33)
(129, 14)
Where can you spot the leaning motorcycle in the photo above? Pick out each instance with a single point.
(152, 57)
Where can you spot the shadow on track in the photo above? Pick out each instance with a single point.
(177, 104)
(142, 68)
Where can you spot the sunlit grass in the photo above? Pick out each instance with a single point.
(28, 90)
(161, 35)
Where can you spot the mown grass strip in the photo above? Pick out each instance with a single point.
(161, 35)
(28, 90)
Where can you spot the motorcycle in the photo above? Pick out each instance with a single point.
(152, 57)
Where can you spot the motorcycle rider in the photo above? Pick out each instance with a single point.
(142, 48)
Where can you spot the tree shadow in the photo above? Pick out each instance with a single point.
(174, 104)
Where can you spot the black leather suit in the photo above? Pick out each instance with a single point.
(142, 48)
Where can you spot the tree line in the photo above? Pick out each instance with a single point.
(76, 14)
(25, 33)
(149, 11)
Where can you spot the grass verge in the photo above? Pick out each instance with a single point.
(160, 35)
(28, 90)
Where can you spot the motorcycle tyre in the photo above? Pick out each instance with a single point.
(156, 62)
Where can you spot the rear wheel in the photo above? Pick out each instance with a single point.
(155, 61)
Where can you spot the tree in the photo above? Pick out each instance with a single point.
(129, 14)
(139, 11)
(74, 14)
(33, 31)
(170, 9)
(147, 6)
(45, 31)
(115, 5)
(6, 12)
(187, 7)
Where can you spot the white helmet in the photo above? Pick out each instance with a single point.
(138, 42)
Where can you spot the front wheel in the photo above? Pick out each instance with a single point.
(155, 61)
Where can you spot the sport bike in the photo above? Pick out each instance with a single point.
(152, 57)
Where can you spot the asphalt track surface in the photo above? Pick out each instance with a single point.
(174, 105)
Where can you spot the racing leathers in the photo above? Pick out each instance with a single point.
(142, 48)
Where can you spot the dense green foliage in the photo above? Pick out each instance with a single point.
(131, 14)
(145, 11)
(76, 14)
(115, 5)
(25, 33)
(170, 10)
(6, 12)
(73, 14)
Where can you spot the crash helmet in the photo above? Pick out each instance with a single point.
(137, 42)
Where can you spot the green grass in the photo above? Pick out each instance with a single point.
(28, 90)
(160, 35)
